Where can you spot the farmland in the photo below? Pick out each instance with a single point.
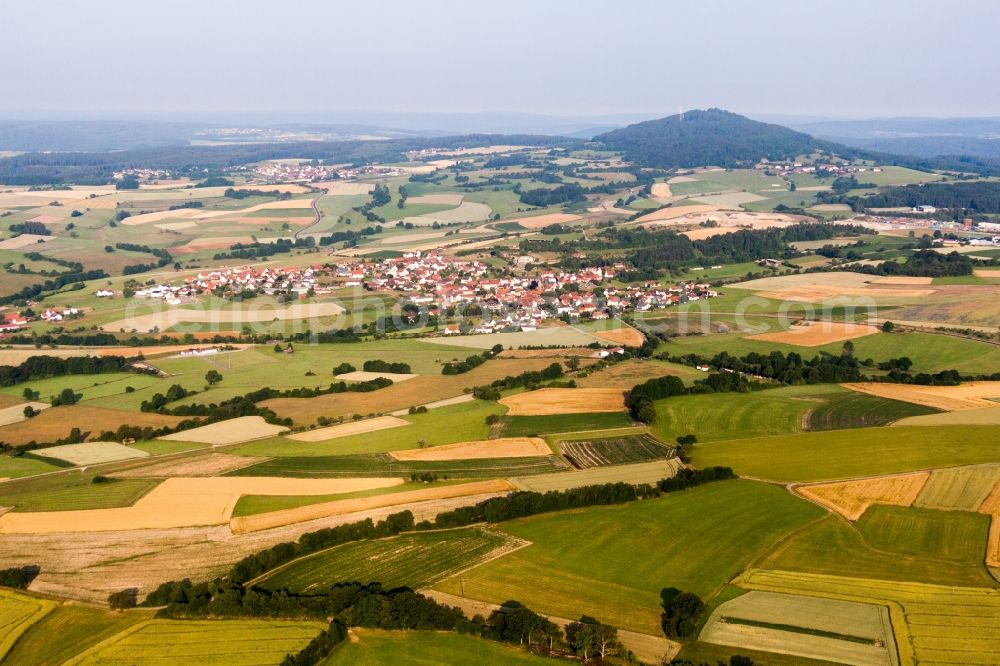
(18, 612)
(613, 451)
(222, 642)
(958, 489)
(415, 560)
(527, 426)
(867, 451)
(384, 465)
(388, 648)
(565, 570)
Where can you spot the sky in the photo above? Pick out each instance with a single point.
(328, 60)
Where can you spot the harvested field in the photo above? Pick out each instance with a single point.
(508, 447)
(674, 213)
(845, 632)
(987, 272)
(648, 472)
(614, 451)
(660, 190)
(23, 241)
(901, 279)
(91, 453)
(542, 221)
(625, 336)
(414, 560)
(422, 390)
(818, 294)
(561, 336)
(208, 464)
(817, 333)
(980, 416)
(344, 189)
(208, 642)
(838, 279)
(441, 199)
(564, 401)
(56, 423)
(15, 413)
(467, 211)
(970, 395)
(627, 374)
(564, 352)
(852, 498)
(176, 226)
(169, 318)
(181, 502)
(959, 488)
(361, 376)
(265, 521)
(348, 429)
(231, 431)
(46, 219)
(200, 214)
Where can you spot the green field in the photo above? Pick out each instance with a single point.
(213, 642)
(18, 612)
(67, 631)
(527, 426)
(415, 560)
(612, 561)
(249, 505)
(427, 648)
(91, 386)
(960, 489)
(894, 543)
(614, 450)
(464, 422)
(72, 491)
(864, 451)
(14, 467)
(384, 465)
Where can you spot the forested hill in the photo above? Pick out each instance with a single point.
(712, 137)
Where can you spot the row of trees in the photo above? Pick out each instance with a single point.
(470, 362)
(378, 365)
(45, 367)
(530, 379)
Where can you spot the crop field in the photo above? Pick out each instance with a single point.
(91, 453)
(57, 422)
(14, 467)
(200, 464)
(89, 386)
(614, 451)
(212, 642)
(384, 465)
(375, 647)
(530, 426)
(546, 401)
(853, 410)
(852, 498)
(969, 395)
(817, 334)
(566, 570)
(627, 374)
(176, 502)
(634, 473)
(842, 631)
(506, 447)
(893, 543)
(347, 429)
(933, 623)
(73, 491)
(980, 416)
(458, 422)
(15, 413)
(958, 489)
(561, 336)
(425, 503)
(415, 560)
(68, 630)
(828, 455)
(18, 612)
(231, 431)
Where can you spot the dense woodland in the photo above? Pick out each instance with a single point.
(975, 196)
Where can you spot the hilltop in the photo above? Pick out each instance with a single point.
(715, 137)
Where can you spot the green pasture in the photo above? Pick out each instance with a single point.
(376, 647)
(817, 456)
(612, 561)
(72, 491)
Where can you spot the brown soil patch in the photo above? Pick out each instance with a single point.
(852, 498)
(209, 464)
(230, 431)
(971, 395)
(625, 375)
(348, 429)
(901, 279)
(674, 213)
(564, 401)
(181, 502)
(56, 423)
(991, 506)
(263, 521)
(817, 333)
(542, 221)
(418, 391)
(626, 336)
(507, 447)
(987, 272)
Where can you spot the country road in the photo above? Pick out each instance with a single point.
(316, 215)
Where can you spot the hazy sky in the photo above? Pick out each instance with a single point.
(850, 58)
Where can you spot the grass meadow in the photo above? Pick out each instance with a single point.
(612, 561)
(819, 456)
(376, 647)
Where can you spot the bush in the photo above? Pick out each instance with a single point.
(122, 600)
(18, 578)
(681, 612)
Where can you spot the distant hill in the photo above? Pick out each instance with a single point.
(922, 137)
(712, 137)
